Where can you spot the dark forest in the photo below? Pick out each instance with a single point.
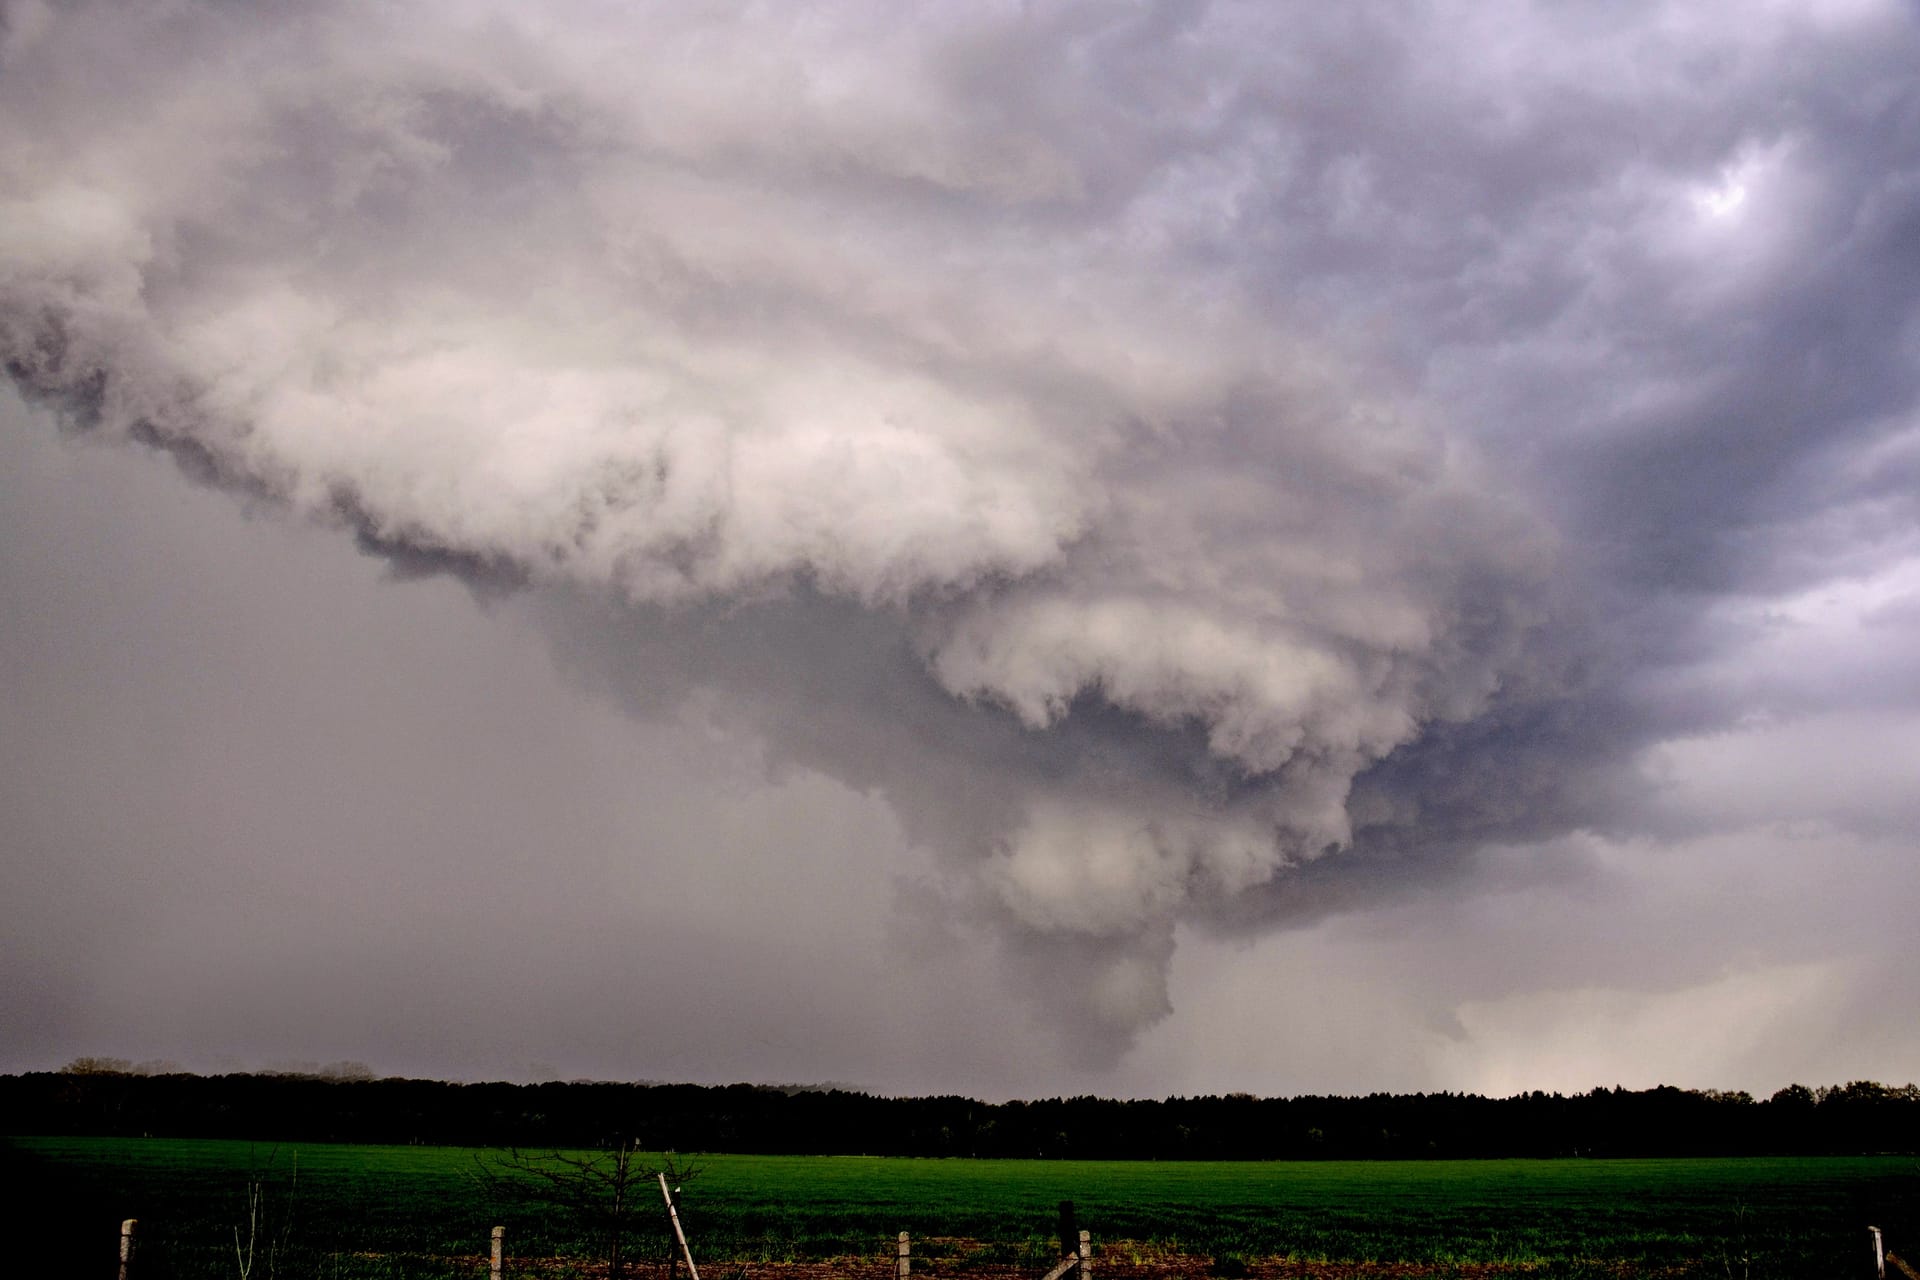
(351, 1107)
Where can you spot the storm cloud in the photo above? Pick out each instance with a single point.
(1200, 469)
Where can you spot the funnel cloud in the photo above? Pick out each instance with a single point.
(1183, 477)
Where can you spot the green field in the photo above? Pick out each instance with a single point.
(359, 1211)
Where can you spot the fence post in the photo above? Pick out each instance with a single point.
(904, 1265)
(499, 1250)
(679, 1233)
(126, 1246)
(1086, 1256)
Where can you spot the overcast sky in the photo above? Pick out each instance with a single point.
(1013, 550)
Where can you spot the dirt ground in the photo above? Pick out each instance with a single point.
(1166, 1267)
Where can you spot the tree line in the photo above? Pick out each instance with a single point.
(352, 1106)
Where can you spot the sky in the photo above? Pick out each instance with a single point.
(1016, 550)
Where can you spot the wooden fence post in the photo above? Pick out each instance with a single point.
(904, 1265)
(1076, 1248)
(673, 1216)
(499, 1250)
(126, 1246)
(1879, 1255)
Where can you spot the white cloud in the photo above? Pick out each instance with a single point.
(1191, 468)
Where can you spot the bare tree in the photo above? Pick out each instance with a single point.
(610, 1190)
(269, 1230)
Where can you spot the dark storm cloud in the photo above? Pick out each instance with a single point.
(1200, 464)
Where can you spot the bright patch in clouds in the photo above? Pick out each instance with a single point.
(1570, 1041)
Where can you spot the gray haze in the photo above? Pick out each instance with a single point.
(1129, 547)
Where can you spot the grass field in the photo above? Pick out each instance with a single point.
(360, 1211)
